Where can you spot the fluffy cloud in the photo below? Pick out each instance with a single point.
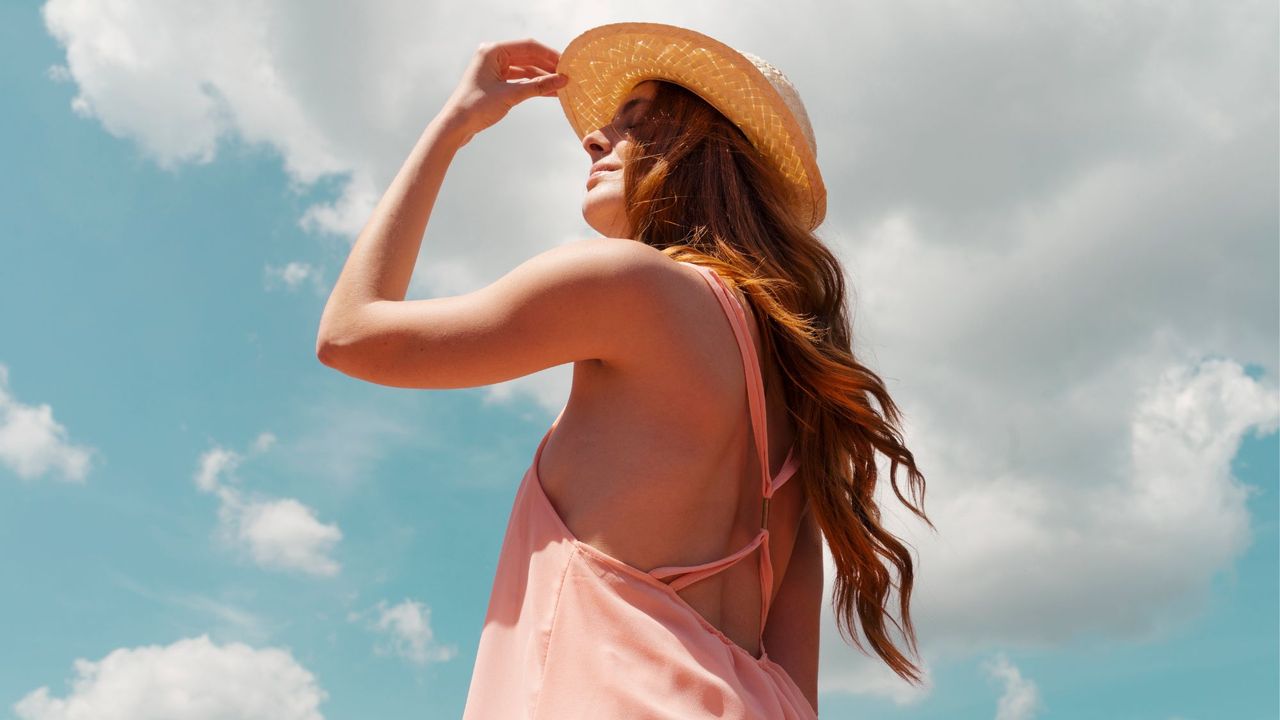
(293, 274)
(277, 533)
(192, 679)
(1021, 699)
(407, 628)
(1037, 559)
(286, 534)
(33, 444)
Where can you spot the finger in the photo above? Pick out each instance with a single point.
(525, 52)
(504, 63)
(530, 48)
(523, 71)
(545, 86)
(557, 81)
(509, 70)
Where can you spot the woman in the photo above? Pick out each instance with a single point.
(655, 549)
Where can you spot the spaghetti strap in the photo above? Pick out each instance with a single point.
(694, 573)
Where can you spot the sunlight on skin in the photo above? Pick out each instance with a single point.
(602, 206)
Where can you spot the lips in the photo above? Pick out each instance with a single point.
(596, 172)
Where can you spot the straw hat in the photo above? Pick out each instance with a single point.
(604, 63)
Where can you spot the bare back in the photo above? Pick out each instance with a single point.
(654, 464)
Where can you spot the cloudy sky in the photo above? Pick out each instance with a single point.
(1060, 221)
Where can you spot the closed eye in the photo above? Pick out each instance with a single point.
(629, 115)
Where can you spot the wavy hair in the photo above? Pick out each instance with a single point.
(699, 191)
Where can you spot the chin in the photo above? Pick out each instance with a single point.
(605, 212)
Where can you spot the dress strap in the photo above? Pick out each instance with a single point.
(693, 573)
(751, 364)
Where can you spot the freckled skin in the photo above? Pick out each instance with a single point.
(602, 206)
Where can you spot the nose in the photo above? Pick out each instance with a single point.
(597, 144)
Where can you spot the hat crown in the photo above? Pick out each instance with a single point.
(789, 95)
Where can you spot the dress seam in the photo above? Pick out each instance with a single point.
(555, 615)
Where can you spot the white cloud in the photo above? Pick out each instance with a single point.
(277, 533)
(215, 464)
(1021, 699)
(264, 442)
(33, 444)
(407, 626)
(1046, 554)
(286, 534)
(1043, 556)
(293, 274)
(192, 679)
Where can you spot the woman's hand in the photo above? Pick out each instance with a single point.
(501, 75)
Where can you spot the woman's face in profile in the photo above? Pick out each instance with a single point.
(602, 206)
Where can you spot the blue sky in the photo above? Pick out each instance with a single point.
(1068, 274)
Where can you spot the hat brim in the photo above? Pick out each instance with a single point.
(605, 63)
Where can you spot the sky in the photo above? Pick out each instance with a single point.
(1060, 222)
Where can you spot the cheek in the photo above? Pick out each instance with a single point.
(623, 149)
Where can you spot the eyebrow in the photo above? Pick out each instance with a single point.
(630, 104)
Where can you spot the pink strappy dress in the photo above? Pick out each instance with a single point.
(572, 632)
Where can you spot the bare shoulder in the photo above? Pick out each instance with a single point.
(632, 289)
(617, 257)
(635, 277)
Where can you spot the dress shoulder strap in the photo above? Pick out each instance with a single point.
(755, 384)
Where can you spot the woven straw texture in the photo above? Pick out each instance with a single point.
(605, 63)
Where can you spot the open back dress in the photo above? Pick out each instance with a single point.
(573, 633)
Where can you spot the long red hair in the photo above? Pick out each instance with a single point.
(697, 189)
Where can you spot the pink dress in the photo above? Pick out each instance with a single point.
(572, 632)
